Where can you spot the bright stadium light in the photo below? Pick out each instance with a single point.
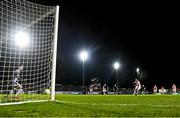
(116, 65)
(21, 39)
(137, 70)
(83, 55)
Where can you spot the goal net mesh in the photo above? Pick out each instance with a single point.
(26, 50)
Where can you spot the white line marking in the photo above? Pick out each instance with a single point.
(16, 103)
(118, 104)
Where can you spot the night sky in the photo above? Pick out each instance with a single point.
(137, 34)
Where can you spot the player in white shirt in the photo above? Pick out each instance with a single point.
(155, 89)
(17, 87)
(174, 89)
(105, 89)
(137, 87)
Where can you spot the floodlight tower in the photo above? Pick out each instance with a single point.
(83, 56)
(116, 66)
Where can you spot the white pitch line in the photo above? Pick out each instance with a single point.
(16, 103)
(118, 104)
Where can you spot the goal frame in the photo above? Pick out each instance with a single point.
(54, 58)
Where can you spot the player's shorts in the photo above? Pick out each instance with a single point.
(155, 91)
(174, 90)
(104, 90)
(137, 88)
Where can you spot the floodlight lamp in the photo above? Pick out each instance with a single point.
(83, 55)
(116, 65)
(137, 70)
(21, 39)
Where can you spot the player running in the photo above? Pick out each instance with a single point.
(137, 87)
(17, 87)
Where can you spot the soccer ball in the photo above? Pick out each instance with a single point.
(47, 91)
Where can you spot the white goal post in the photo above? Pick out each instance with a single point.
(28, 49)
(54, 54)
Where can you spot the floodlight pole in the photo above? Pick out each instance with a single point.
(117, 81)
(53, 75)
(83, 75)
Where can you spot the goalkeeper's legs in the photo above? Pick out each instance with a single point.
(19, 90)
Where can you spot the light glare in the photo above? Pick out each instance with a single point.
(137, 70)
(83, 55)
(21, 39)
(116, 65)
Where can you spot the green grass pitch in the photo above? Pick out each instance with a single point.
(99, 106)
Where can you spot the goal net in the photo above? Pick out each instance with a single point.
(28, 44)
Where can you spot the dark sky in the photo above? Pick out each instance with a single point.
(137, 34)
